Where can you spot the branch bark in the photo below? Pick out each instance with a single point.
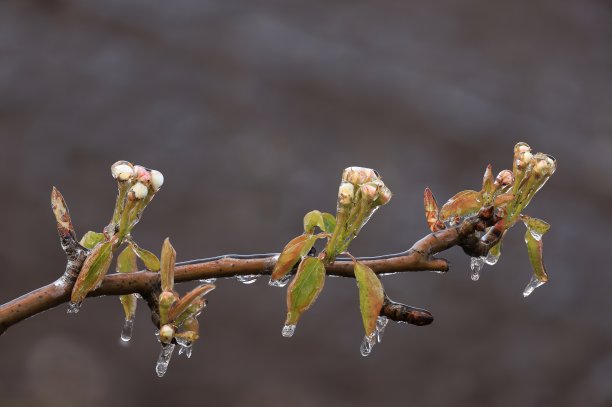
(420, 257)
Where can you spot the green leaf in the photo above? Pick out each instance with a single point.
(91, 239)
(304, 288)
(537, 226)
(463, 203)
(150, 260)
(126, 262)
(93, 271)
(534, 250)
(168, 255)
(129, 303)
(371, 296)
(503, 199)
(291, 254)
(191, 298)
(324, 221)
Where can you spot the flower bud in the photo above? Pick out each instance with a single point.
(369, 191)
(346, 193)
(122, 170)
(544, 164)
(384, 196)
(157, 180)
(142, 174)
(166, 333)
(359, 175)
(504, 178)
(139, 191)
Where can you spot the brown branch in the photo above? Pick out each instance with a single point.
(418, 258)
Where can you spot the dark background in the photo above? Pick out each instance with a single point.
(252, 110)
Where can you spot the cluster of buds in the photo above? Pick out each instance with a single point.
(361, 192)
(137, 187)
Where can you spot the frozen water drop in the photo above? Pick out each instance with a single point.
(288, 331)
(126, 332)
(247, 279)
(74, 307)
(185, 347)
(164, 359)
(381, 324)
(476, 264)
(281, 282)
(537, 236)
(208, 281)
(491, 258)
(367, 344)
(533, 284)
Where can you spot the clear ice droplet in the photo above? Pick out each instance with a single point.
(185, 347)
(208, 281)
(281, 282)
(126, 332)
(368, 343)
(533, 284)
(288, 331)
(381, 324)
(164, 359)
(537, 236)
(247, 279)
(491, 259)
(476, 264)
(74, 307)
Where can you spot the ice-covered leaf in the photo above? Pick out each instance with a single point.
(463, 203)
(371, 296)
(93, 271)
(291, 254)
(304, 288)
(537, 227)
(487, 184)
(324, 221)
(534, 249)
(168, 260)
(431, 211)
(91, 239)
(188, 299)
(503, 199)
(126, 261)
(62, 216)
(150, 260)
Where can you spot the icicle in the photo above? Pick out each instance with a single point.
(208, 281)
(281, 282)
(185, 347)
(476, 264)
(381, 324)
(288, 331)
(126, 332)
(533, 284)
(247, 279)
(164, 359)
(491, 258)
(74, 307)
(368, 343)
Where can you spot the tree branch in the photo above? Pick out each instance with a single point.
(418, 258)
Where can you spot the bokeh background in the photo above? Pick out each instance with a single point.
(252, 109)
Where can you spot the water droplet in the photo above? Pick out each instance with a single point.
(281, 282)
(164, 359)
(533, 284)
(288, 331)
(476, 264)
(381, 324)
(368, 343)
(247, 279)
(537, 236)
(491, 259)
(126, 332)
(208, 281)
(74, 307)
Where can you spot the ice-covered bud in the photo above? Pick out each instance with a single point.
(122, 170)
(346, 192)
(157, 180)
(544, 165)
(504, 178)
(142, 174)
(522, 147)
(369, 191)
(384, 196)
(359, 175)
(139, 191)
(166, 333)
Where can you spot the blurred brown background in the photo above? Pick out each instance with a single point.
(251, 110)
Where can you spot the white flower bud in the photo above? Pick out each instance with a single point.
(157, 180)
(359, 175)
(122, 170)
(166, 333)
(384, 196)
(142, 174)
(346, 192)
(139, 190)
(369, 191)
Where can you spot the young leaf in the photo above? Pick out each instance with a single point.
(150, 260)
(325, 221)
(93, 271)
(62, 216)
(431, 211)
(463, 203)
(126, 262)
(291, 254)
(168, 255)
(487, 182)
(534, 250)
(503, 199)
(371, 296)
(192, 296)
(129, 302)
(91, 239)
(304, 288)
